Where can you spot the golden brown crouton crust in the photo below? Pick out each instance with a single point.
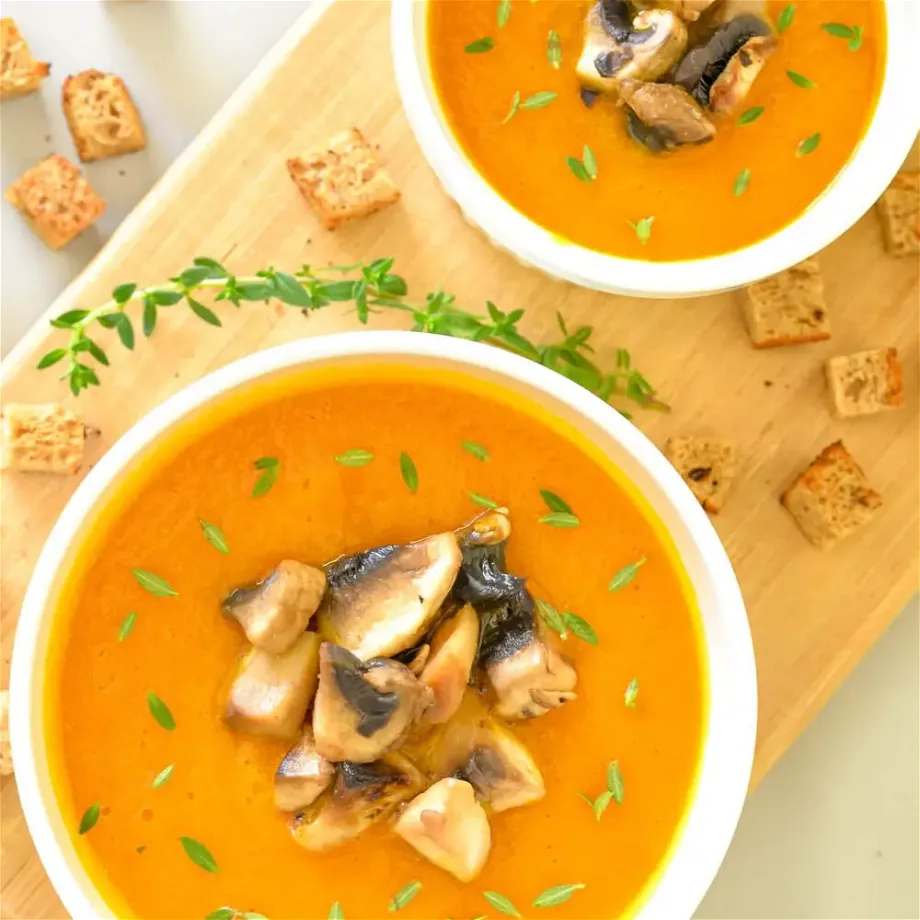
(832, 498)
(56, 200)
(20, 73)
(899, 209)
(706, 465)
(865, 382)
(343, 180)
(788, 308)
(42, 439)
(101, 115)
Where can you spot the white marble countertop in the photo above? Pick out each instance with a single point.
(834, 831)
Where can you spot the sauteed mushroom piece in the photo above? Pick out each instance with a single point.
(482, 580)
(616, 48)
(449, 827)
(688, 10)
(447, 671)
(734, 83)
(662, 116)
(271, 693)
(382, 601)
(274, 612)
(303, 776)
(364, 709)
(362, 795)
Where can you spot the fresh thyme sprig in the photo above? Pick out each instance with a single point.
(372, 288)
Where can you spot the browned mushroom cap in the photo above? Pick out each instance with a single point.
(448, 827)
(382, 601)
(734, 83)
(303, 776)
(271, 693)
(669, 115)
(486, 529)
(688, 10)
(447, 672)
(364, 709)
(616, 50)
(276, 611)
(363, 794)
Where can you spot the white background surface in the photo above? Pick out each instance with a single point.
(834, 831)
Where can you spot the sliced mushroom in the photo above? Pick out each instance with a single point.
(276, 611)
(616, 49)
(303, 776)
(419, 659)
(448, 827)
(482, 580)
(362, 795)
(382, 601)
(734, 83)
(688, 10)
(447, 671)
(702, 66)
(271, 693)
(662, 116)
(364, 709)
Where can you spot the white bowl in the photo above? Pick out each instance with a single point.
(730, 728)
(878, 157)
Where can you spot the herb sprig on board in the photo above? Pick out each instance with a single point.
(372, 288)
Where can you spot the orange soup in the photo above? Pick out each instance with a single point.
(176, 802)
(518, 85)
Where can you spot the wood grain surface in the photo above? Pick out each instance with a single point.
(813, 614)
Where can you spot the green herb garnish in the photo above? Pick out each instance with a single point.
(230, 913)
(808, 145)
(409, 472)
(156, 585)
(560, 519)
(90, 817)
(160, 711)
(598, 805)
(556, 895)
(355, 457)
(554, 502)
(632, 692)
(503, 13)
(539, 100)
(626, 575)
(554, 49)
(480, 46)
(785, 17)
(336, 912)
(643, 228)
(580, 627)
(853, 34)
(270, 467)
(799, 80)
(162, 776)
(475, 450)
(515, 104)
(552, 617)
(584, 169)
(214, 535)
(750, 115)
(615, 782)
(741, 181)
(483, 501)
(405, 894)
(127, 626)
(502, 904)
(198, 853)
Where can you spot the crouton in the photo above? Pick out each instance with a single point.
(788, 308)
(899, 210)
(865, 382)
(20, 73)
(101, 115)
(832, 498)
(707, 466)
(6, 754)
(41, 439)
(343, 179)
(56, 200)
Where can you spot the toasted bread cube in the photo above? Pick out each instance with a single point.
(6, 753)
(343, 179)
(56, 200)
(788, 308)
(832, 498)
(101, 115)
(899, 210)
(41, 439)
(707, 466)
(20, 73)
(865, 382)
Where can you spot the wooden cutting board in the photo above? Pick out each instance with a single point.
(813, 615)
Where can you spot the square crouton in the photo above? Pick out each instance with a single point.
(41, 439)
(899, 209)
(20, 73)
(101, 115)
(6, 753)
(56, 200)
(865, 382)
(832, 498)
(343, 179)
(788, 308)
(707, 466)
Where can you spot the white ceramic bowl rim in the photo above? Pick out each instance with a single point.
(728, 748)
(878, 157)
